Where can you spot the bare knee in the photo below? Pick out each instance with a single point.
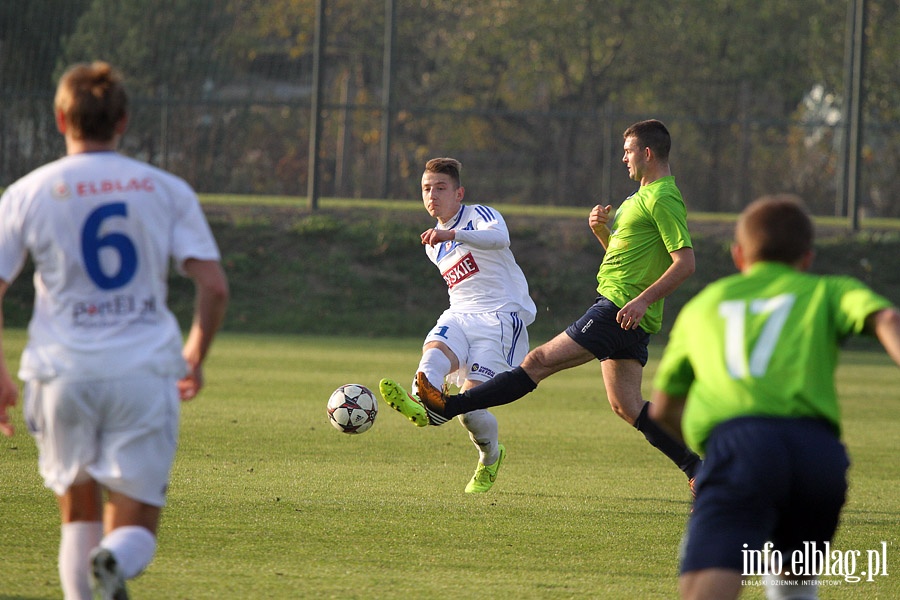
(121, 511)
(623, 388)
(535, 363)
(626, 413)
(556, 355)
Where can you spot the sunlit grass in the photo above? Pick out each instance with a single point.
(269, 501)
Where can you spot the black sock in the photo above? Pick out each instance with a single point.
(504, 388)
(677, 452)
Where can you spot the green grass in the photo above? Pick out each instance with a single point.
(269, 501)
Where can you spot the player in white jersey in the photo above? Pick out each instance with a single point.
(104, 366)
(483, 332)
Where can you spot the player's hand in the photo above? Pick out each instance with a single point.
(9, 392)
(191, 384)
(433, 237)
(629, 317)
(599, 217)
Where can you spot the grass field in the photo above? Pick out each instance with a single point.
(269, 501)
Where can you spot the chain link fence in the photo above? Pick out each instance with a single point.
(242, 127)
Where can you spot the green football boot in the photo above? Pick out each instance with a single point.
(403, 402)
(485, 476)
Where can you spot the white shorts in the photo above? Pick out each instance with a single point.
(484, 343)
(121, 433)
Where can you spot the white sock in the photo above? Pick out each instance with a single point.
(76, 541)
(133, 546)
(435, 365)
(484, 433)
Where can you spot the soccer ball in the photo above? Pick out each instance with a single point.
(352, 408)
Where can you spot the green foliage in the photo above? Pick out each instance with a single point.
(269, 501)
(161, 33)
(536, 92)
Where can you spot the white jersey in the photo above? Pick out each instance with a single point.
(479, 268)
(101, 229)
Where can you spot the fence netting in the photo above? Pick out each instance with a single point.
(532, 97)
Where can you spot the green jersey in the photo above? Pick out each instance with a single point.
(648, 226)
(763, 343)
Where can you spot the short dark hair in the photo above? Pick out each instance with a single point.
(448, 166)
(775, 228)
(651, 134)
(93, 100)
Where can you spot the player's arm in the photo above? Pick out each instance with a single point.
(483, 239)
(493, 236)
(666, 409)
(682, 267)
(9, 391)
(435, 236)
(598, 222)
(211, 300)
(487, 235)
(885, 324)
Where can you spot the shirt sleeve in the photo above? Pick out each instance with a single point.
(856, 302)
(490, 232)
(671, 219)
(12, 246)
(192, 237)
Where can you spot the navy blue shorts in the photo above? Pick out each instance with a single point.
(598, 332)
(765, 480)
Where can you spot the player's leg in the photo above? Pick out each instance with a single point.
(134, 466)
(80, 509)
(744, 485)
(555, 355)
(558, 354)
(440, 351)
(127, 548)
(790, 588)
(437, 362)
(484, 431)
(622, 378)
(497, 342)
(811, 514)
(710, 584)
(594, 335)
(131, 527)
(62, 420)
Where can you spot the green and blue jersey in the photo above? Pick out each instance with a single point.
(763, 343)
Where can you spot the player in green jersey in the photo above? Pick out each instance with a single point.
(748, 377)
(648, 255)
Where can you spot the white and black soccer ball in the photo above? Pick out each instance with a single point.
(352, 408)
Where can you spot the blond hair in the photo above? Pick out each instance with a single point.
(93, 101)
